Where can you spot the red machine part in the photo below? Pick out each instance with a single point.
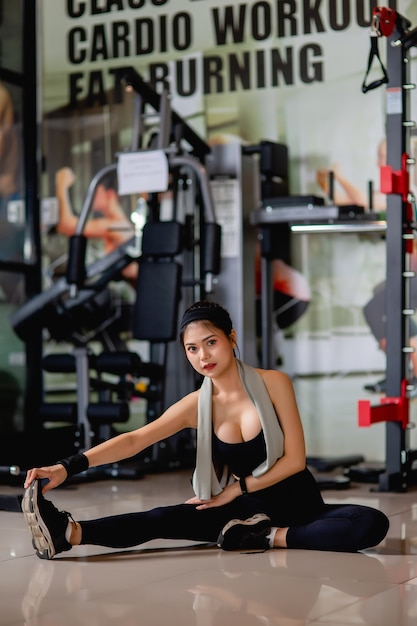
(383, 21)
(399, 182)
(390, 410)
(396, 181)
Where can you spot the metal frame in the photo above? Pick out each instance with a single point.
(400, 233)
(31, 269)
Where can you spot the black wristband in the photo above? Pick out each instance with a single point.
(75, 464)
(242, 483)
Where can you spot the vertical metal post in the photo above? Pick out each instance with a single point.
(266, 314)
(395, 476)
(31, 167)
(83, 387)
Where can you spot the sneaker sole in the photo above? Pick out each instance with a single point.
(41, 538)
(258, 522)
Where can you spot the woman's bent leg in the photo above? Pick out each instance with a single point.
(341, 528)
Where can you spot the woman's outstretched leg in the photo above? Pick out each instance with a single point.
(181, 521)
(55, 531)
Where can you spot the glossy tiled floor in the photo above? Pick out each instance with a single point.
(185, 584)
(181, 583)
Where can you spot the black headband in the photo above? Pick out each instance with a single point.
(217, 315)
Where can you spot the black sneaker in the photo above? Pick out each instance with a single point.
(46, 524)
(379, 387)
(246, 534)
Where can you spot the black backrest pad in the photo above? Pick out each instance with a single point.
(156, 306)
(162, 239)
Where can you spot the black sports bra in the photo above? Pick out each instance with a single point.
(241, 458)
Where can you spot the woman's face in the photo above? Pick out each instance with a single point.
(208, 349)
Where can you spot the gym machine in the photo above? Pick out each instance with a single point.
(398, 473)
(272, 219)
(178, 260)
(234, 173)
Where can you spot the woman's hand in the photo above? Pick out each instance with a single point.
(229, 493)
(56, 474)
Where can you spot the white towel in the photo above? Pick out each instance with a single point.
(205, 482)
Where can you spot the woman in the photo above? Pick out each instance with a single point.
(252, 487)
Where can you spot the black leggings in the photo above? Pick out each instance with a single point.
(345, 528)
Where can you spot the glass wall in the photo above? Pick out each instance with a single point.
(18, 253)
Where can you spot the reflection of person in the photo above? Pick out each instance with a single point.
(346, 192)
(8, 146)
(236, 592)
(11, 234)
(374, 309)
(110, 223)
(252, 487)
(291, 297)
(374, 312)
(290, 292)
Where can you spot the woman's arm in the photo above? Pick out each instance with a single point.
(293, 460)
(351, 194)
(182, 414)
(64, 179)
